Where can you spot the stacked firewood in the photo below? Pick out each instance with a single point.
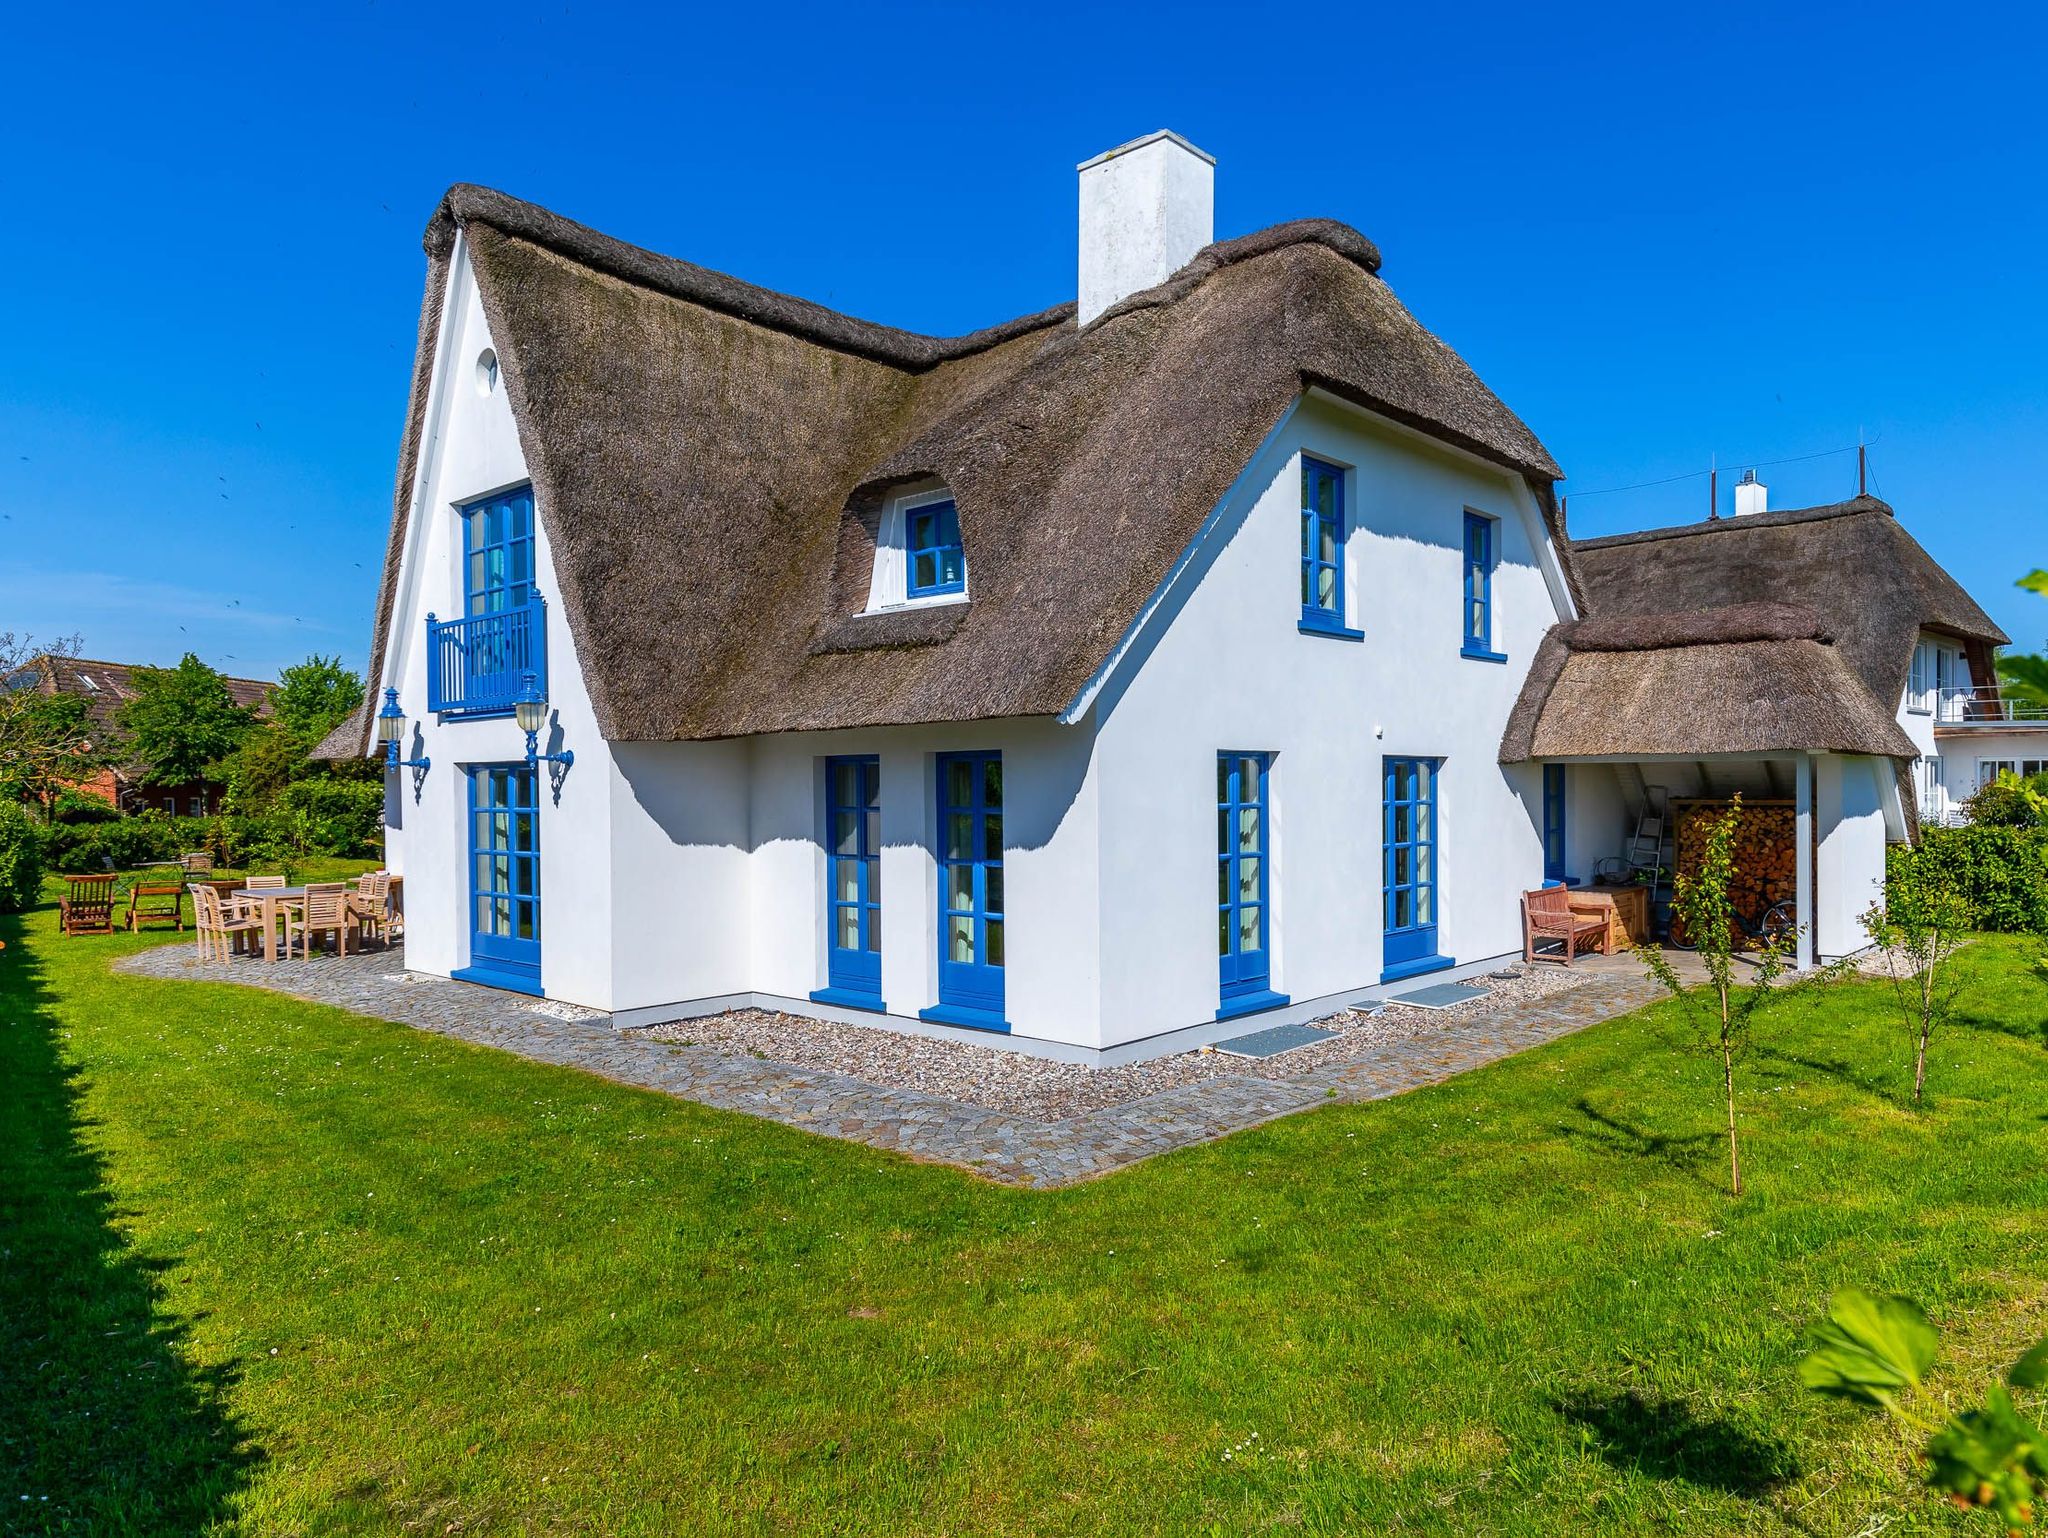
(1766, 855)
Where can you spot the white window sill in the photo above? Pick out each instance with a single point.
(936, 601)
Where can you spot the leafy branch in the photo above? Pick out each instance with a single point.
(1873, 1349)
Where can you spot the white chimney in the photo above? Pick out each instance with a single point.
(1146, 208)
(1750, 494)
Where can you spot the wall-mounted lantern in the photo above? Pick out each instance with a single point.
(530, 710)
(391, 732)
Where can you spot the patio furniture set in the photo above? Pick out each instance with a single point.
(244, 916)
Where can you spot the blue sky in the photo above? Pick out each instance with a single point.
(1661, 234)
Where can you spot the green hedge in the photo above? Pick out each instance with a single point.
(2000, 871)
(342, 817)
(21, 860)
(321, 817)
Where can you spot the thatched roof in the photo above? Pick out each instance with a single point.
(1748, 678)
(708, 459)
(1781, 631)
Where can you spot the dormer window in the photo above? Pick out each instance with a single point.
(937, 564)
(919, 556)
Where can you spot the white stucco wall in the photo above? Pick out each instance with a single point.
(471, 448)
(1222, 665)
(1849, 861)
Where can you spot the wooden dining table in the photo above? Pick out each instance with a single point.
(272, 902)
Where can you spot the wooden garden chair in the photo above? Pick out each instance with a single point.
(224, 927)
(156, 902)
(264, 884)
(325, 912)
(370, 905)
(1547, 914)
(87, 906)
(198, 863)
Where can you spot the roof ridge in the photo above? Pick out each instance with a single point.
(466, 203)
(1847, 508)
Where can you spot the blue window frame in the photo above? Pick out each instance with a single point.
(1553, 822)
(504, 877)
(475, 663)
(1481, 540)
(938, 564)
(971, 944)
(497, 542)
(1409, 879)
(1322, 549)
(853, 883)
(1244, 884)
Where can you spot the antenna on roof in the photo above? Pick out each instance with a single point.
(1713, 488)
(1862, 465)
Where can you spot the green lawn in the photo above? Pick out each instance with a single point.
(271, 1268)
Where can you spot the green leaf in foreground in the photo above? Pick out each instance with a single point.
(2031, 1370)
(1990, 1457)
(1868, 1347)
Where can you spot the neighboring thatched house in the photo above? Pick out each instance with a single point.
(106, 687)
(1098, 678)
(1725, 655)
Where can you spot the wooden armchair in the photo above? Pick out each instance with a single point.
(197, 863)
(87, 906)
(156, 902)
(370, 905)
(325, 912)
(223, 926)
(1547, 914)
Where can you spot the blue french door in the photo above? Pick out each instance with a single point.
(1410, 876)
(1243, 883)
(504, 876)
(853, 881)
(971, 890)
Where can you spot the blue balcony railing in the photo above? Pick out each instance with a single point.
(477, 664)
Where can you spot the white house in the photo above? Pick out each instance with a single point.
(1096, 680)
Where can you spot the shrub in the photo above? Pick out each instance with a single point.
(2008, 802)
(2001, 872)
(341, 817)
(21, 859)
(75, 806)
(126, 841)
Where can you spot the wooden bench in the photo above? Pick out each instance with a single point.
(1548, 914)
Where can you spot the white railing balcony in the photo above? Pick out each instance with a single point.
(1986, 707)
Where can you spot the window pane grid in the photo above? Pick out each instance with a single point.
(1322, 541)
(498, 544)
(1242, 872)
(938, 562)
(1479, 536)
(853, 827)
(972, 945)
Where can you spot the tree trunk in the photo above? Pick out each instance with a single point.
(1926, 1030)
(1728, 1091)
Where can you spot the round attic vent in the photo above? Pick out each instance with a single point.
(486, 372)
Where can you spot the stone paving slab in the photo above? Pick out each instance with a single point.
(1015, 1150)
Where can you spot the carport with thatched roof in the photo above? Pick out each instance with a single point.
(1764, 655)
